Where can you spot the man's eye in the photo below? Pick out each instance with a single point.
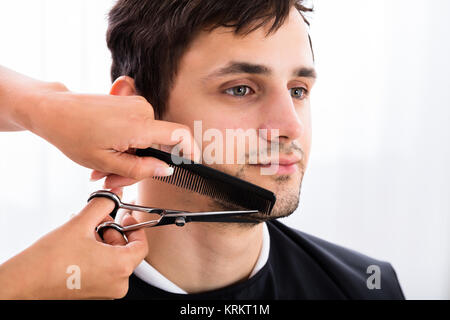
(239, 91)
(298, 93)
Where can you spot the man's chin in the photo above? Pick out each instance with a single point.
(287, 203)
(283, 208)
(286, 188)
(287, 191)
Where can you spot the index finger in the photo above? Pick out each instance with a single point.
(170, 134)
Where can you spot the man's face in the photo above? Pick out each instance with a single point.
(252, 82)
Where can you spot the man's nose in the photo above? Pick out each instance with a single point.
(280, 113)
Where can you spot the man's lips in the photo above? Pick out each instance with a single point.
(282, 165)
(282, 161)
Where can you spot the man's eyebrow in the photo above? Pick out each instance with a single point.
(239, 67)
(305, 72)
(245, 67)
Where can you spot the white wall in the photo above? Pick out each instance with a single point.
(378, 179)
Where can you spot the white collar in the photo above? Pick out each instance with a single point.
(150, 275)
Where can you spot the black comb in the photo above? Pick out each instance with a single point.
(212, 183)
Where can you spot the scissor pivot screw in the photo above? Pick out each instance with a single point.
(180, 221)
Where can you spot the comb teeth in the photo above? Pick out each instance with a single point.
(213, 183)
(190, 181)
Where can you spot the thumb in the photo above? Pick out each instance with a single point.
(95, 212)
(137, 241)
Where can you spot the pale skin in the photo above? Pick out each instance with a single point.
(98, 132)
(207, 256)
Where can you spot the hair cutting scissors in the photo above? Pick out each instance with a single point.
(166, 216)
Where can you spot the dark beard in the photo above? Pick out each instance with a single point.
(284, 206)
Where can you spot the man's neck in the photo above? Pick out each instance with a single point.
(199, 256)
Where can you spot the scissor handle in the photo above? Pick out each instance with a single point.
(109, 195)
(110, 225)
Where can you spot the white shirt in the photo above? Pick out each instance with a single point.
(150, 275)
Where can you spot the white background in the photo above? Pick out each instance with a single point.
(378, 179)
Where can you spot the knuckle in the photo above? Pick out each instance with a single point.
(147, 122)
(58, 86)
(141, 250)
(183, 133)
(144, 249)
(150, 111)
(186, 128)
(141, 99)
(99, 161)
(120, 289)
(135, 171)
(145, 106)
(125, 269)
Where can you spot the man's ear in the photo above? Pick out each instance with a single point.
(123, 86)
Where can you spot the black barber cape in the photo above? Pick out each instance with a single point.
(300, 266)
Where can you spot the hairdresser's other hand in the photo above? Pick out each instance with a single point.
(48, 269)
(100, 132)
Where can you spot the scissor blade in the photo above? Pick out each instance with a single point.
(170, 214)
(214, 216)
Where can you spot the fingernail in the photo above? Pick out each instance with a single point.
(163, 171)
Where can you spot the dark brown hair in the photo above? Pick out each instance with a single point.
(147, 38)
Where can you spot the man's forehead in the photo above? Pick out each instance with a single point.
(294, 24)
(221, 47)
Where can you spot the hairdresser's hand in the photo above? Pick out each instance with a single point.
(96, 131)
(40, 272)
(101, 132)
